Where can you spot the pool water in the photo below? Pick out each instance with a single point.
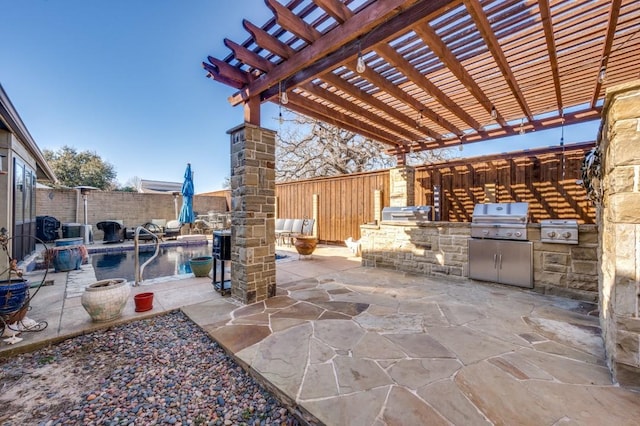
(170, 261)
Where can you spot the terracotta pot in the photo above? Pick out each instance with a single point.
(306, 244)
(201, 266)
(144, 302)
(105, 300)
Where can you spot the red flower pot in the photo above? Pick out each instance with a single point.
(144, 302)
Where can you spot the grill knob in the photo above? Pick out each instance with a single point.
(509, 234)
(518, 234)
(566, 235)
(485, 232)
(551, 234)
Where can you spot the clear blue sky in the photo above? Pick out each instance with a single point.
(123, 78)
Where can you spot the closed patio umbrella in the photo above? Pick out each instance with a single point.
(186, 212)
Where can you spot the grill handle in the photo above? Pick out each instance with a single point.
(500, 261)
(495, 261)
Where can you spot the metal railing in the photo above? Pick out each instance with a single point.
(139, 269)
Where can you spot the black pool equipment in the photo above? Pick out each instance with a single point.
(222, 252)
(47, 228)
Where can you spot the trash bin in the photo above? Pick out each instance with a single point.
(71, 230)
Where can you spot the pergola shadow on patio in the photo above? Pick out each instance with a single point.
(362, 346)
(421, 75)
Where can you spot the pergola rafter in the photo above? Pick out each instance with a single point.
(438, 73)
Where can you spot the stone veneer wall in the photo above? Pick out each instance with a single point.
(402, 186)
(618, 215)
(440, 249)
(253, 206)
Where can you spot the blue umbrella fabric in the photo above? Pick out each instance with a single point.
(186, 212)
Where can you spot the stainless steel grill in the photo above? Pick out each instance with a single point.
(500, 221)
(410, 213)
(499, 250)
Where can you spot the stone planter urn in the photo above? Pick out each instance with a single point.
(201, 266)
(305, 244)
(105, 300)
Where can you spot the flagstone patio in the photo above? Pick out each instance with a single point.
(351, 345)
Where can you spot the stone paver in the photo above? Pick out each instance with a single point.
(360, 346)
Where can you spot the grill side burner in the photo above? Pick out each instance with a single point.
(410, 213)
(500, 221)
(559, 231)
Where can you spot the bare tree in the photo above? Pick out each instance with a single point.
(308, 148)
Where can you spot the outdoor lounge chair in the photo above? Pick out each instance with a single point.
(169, 228)
(172, 229)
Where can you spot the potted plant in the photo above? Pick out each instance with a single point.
(201, 266)
(105, 300)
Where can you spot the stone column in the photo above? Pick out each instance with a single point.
(377, 205)
(315, 213)
(253, 190)
(618, 217)
(402, 182)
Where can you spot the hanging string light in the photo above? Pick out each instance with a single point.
(283, 96)
(494, 113)
(360, 64)
(521, 127)
(280, 119)
(602, 74)
(419, 119)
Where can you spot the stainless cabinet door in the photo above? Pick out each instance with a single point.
(483, 260)
(515, 263)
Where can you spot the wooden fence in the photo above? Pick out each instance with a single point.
(344, 202)
(546, 179)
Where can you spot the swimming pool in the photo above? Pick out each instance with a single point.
(173, 260)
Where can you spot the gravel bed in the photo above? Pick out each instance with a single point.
(162, 370)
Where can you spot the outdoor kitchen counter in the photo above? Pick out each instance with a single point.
(441, 249)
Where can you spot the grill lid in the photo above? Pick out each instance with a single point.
(501, 213)
(407, 213)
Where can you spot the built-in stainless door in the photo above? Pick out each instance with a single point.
(500, 261)
(515, 261)
(483, 259)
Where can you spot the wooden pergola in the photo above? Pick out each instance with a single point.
(426, 74)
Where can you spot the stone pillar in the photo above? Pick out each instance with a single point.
(253, 190)
(402, 181)
(618, 217)
(377, 205)
(315, 213)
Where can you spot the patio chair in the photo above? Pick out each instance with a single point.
(307, 227)
(113, 230)
(296, 229)
(285, 230)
